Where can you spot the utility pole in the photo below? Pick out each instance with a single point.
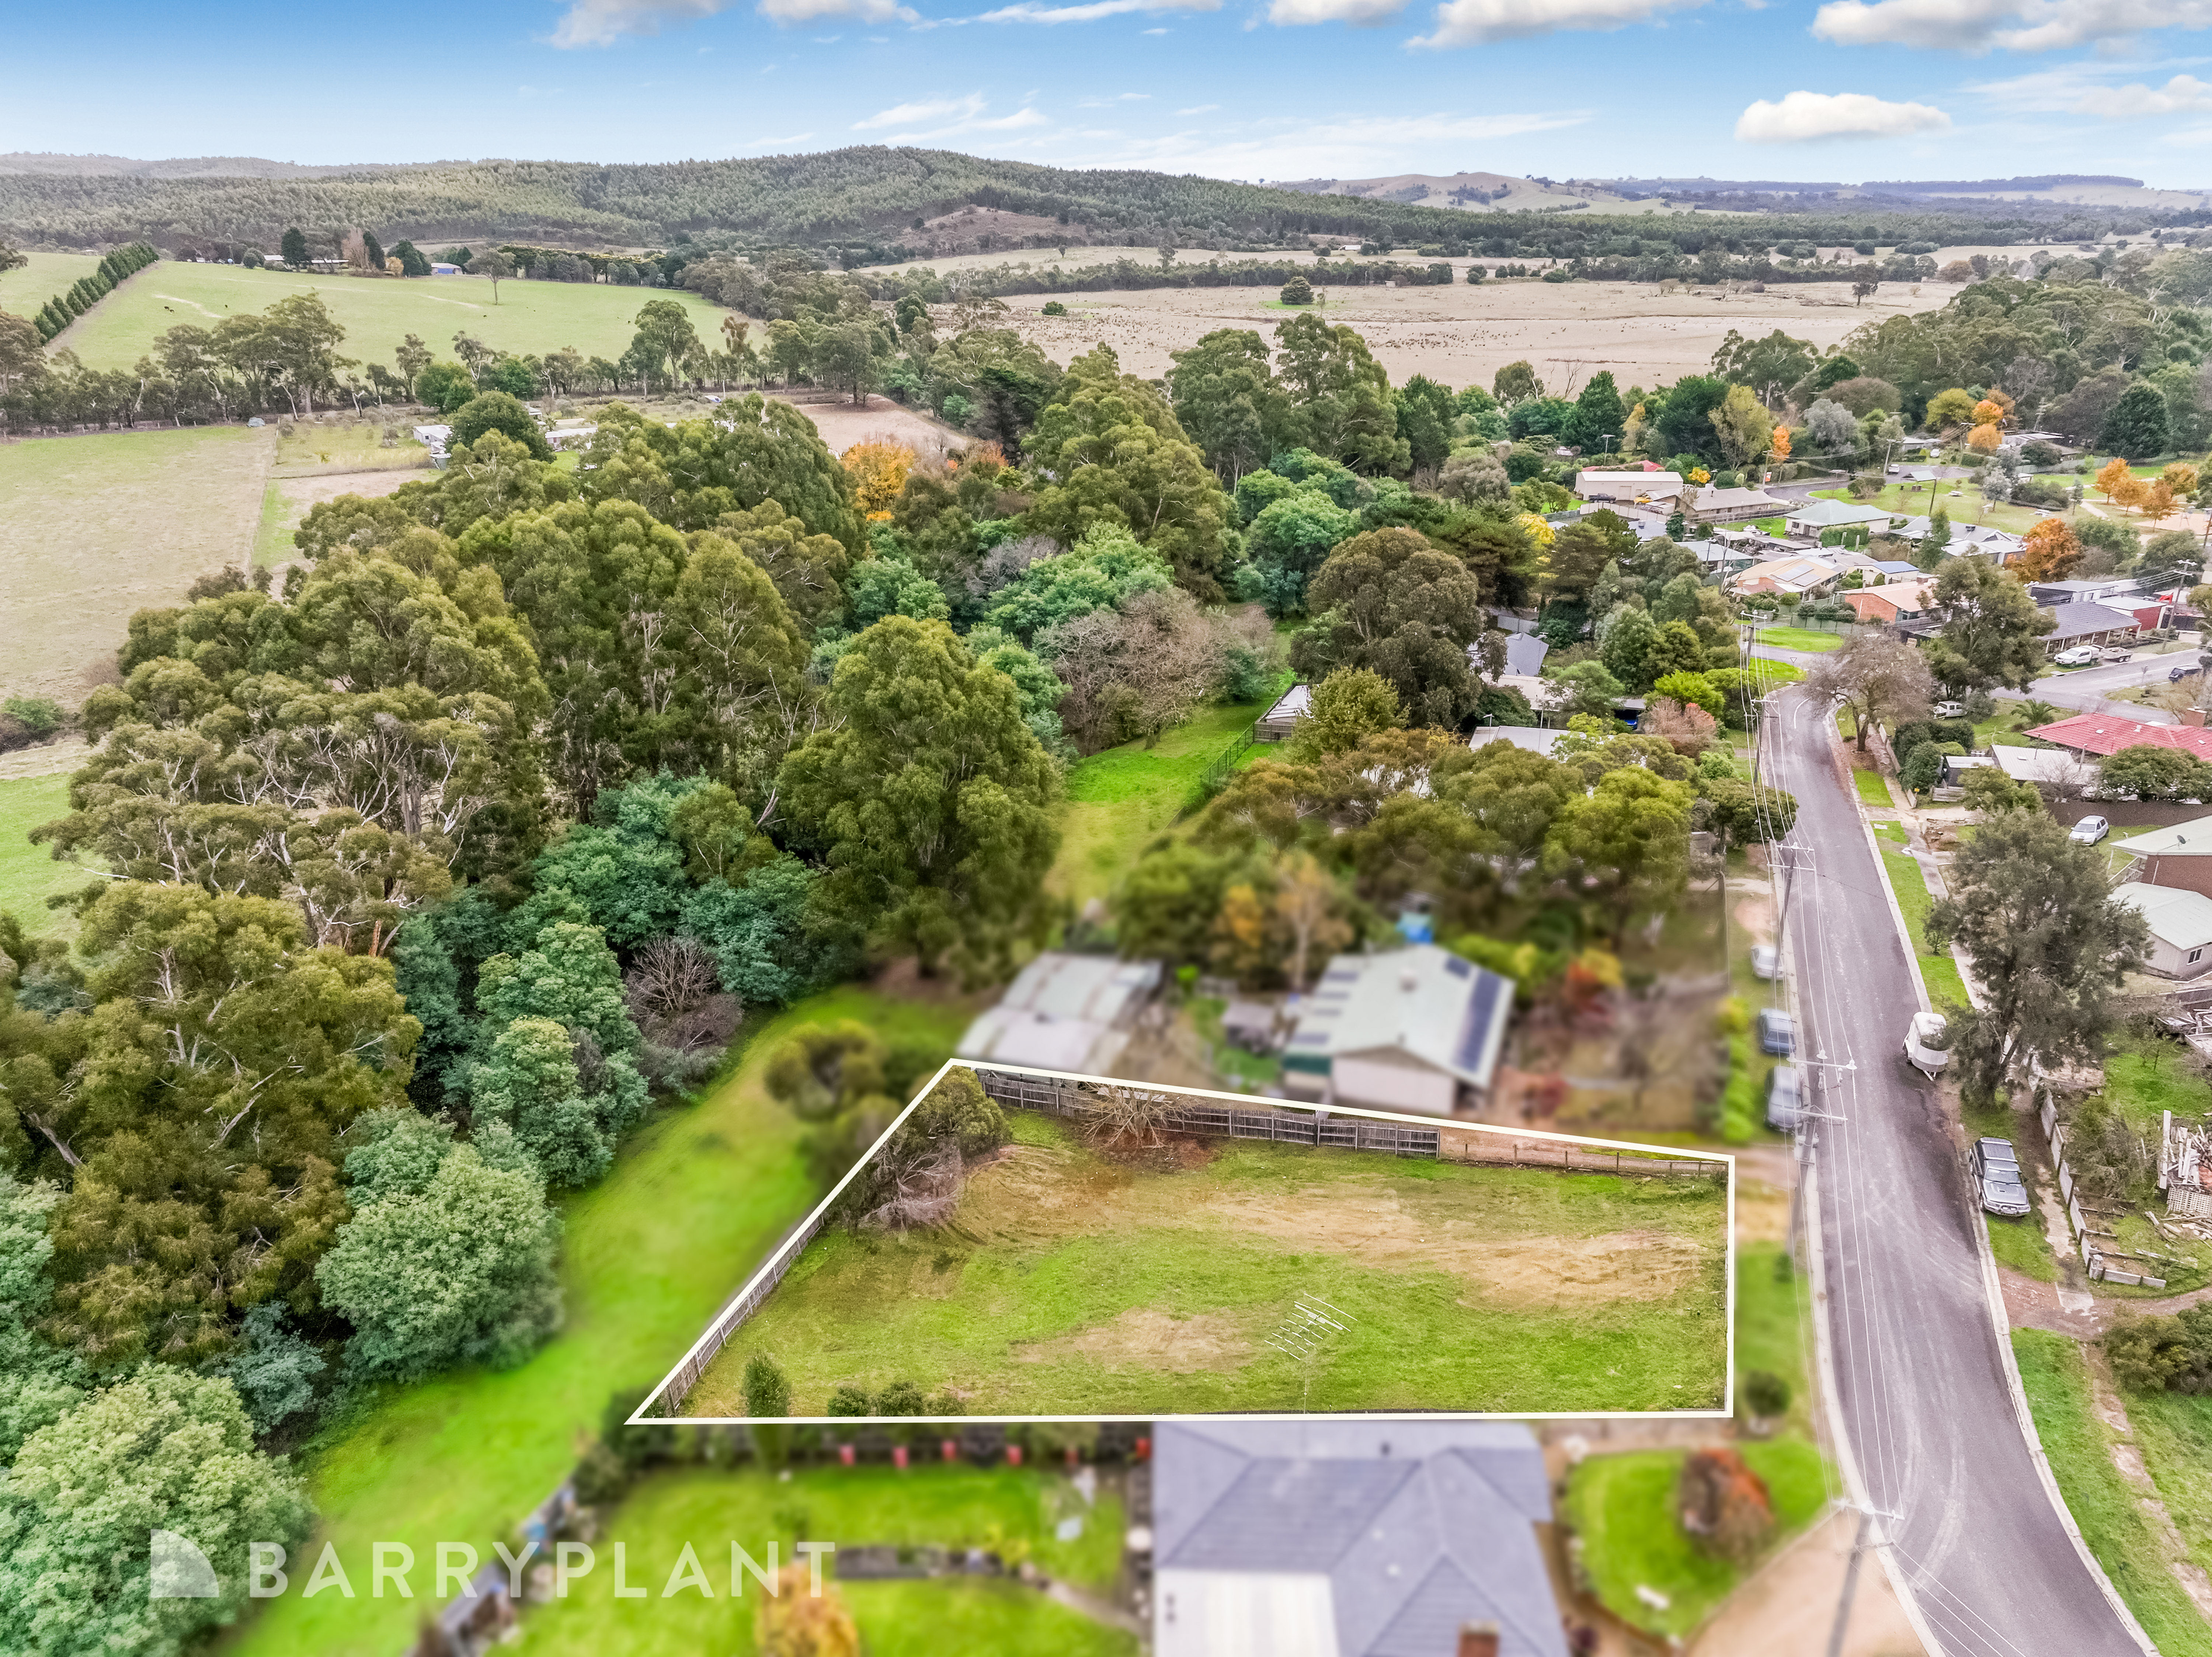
(1859, 1546)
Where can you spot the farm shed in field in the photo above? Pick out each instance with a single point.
(1066, 1012)
(1417, 1029)
(1350, 1538)
(1278, 722)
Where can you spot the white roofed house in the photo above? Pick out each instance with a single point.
(1412, 1029)
(1810, 519)
(1276, 724)
(1628, 487)
(2180, 927)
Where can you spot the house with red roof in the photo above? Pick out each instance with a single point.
(2095, 735)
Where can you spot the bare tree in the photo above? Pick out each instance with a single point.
(1136, 671)
(1881, 679)
(673, 989)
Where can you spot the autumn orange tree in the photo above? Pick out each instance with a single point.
(2158, 499)
(1985, 437)
(878, 469)
(1989, 412)
(2180, 477)
(2052, 550)
(2122, 487)
(1780, 448)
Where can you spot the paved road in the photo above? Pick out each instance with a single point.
(2087, 688)
(1922, 1389)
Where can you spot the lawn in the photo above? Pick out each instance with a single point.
(23, 290)
(1120, 798)
(28, 876)
(698, 1197)
(1073, 1282)
(1623, 1508)
(2103, 1504)
(1799, 638)
(377, 313)
(1002, 1509)
(2173, 1430)
(1773, 1303)
(1919, 499)
(92, 528)
(1937, 968)
(1874, 791)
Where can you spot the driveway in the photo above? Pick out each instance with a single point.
(2087, 690)
(1920, 1382)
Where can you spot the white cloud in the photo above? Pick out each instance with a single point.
(966, 115)
(1118, 98)
(1361, 13)
(603, 22)
(1807, 115)
(2014, 25)
(1029, 11)
(906, 114)
(2135, 101)
(1198, 109)
(1472, 22)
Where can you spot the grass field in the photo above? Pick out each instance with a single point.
(1874, 791)
(2174, 1432)
(1118, 799)
(377, 313)
(1967, 506)
(1800, 638)
(950, 1506)
(28, 875)
(1069, 1283)
(92, 528)
(1623, 1507)
(699, 1195)
(23, 290)
(2103, 1504)
(1937, 966)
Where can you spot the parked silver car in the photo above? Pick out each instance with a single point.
(2088, 831)
(1785, 1098)
(1766, 961)
(1996, 1179)
(1777, 1033)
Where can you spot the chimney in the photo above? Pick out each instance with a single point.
(1478, 1640)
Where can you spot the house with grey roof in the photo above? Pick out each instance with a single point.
(1413, 1029)
(2081, 623)
(2180, 925)
(1351, 1538)
(1064, 1012)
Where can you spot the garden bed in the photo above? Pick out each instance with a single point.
(1074, 1281)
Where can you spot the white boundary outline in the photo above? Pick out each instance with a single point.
(806, 1229)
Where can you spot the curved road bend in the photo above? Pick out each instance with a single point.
(1922, 1389)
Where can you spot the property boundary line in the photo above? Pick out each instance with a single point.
(1387, 1131)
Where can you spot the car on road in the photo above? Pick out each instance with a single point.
(2080, 656)
(1950, 710)
(1996, 1179)
(2089, 831)
(2176, 675)
(1928, 1041)
(1785, 1098)
(1777, 1033)
(1766, 961)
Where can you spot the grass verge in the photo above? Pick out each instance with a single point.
(1772, 1301)
(1623, 1508)
(698, 1197)
(1873, 790)
(1937, 966)
(2112, 1521)
(1007, 1510)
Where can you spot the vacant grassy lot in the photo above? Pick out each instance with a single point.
(950, 1506)
(377, 313)
(1118, 799)
(22, 291)
(28, 875)
(1074, 1283)
(2174, 1432)
(1800, 638)
(1960, 497)
(698, 1197)
(2103, 1504)
(1623, 1507)
(93, 528)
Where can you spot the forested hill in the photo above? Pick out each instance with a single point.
(870, 202)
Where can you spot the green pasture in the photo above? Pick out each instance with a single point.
(1118, 799)
(28, 876)
(698, 1197)
(1008, 1511)
(376, 311)
(24, 289)
(1069, 1283)
(94, 527)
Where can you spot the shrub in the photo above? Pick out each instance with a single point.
(850, 1401)
(1724, 1505)
(767, 1390)
(1296, 291)
(1053, 307)
(1765, 1393)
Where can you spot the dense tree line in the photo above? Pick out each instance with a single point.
(849, 197)
(65, 307)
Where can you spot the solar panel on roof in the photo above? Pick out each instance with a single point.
(1474, 1033)
(1457, 968)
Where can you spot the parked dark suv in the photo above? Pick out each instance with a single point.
(1997, 1178)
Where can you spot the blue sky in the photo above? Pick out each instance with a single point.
(1848, 89)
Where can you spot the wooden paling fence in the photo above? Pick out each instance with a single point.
(2094, 1260)
(1447, 1142)
(731, 1318)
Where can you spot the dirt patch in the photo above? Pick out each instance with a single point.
(843, 423)
(1755, 915)
(2129, 1459)
(1145, 1339)
(1762, 1213)
(2196, 1584)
